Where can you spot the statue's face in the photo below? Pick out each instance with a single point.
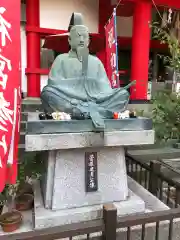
(79, 37)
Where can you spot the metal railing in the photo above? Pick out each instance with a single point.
(154, 180)
(160, 225)
(140, 227)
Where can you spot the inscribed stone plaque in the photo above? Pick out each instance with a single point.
(91, 182)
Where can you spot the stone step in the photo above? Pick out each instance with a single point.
(22, 138)
(21, 146)
(21, 150)
(24, 116)
(31, 105)
(23, 126)
(31, 108)
(29, 100)
(28, 105)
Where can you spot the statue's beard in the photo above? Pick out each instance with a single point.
(82, 53)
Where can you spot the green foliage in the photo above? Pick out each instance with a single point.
(31, 167)
(166, 104)
(165, 37)
(166, 115)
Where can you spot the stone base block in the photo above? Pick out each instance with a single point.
(64, 182)
(48, 218)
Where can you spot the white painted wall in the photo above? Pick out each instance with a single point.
(56, 13)
(23, 59)
(44, 80)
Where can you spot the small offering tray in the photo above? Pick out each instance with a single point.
(36, 126)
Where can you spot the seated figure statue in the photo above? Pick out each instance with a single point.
(78, 82)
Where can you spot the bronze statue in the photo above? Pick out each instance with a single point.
(78, 83)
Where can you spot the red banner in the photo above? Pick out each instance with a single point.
(111, 51)
(10, 89)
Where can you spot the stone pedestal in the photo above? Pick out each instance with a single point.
(63, 197)
(49, 218)
(64, 183)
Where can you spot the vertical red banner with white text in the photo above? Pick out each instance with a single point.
(10, 89)
(112, 51)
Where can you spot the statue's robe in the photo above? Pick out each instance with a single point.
(68, 89)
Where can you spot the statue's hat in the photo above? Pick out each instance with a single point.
(76, 19)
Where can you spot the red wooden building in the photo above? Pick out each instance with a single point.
(140, 43)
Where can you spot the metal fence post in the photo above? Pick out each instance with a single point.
(153, 178)
(110, 221)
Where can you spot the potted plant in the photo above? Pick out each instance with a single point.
(29, 172)
(19, 197)
(12, 219)
(24, 196)
(24, 202)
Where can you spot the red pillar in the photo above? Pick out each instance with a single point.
(33, 48)
(105, 11)
(140, 49)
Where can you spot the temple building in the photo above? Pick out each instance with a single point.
(42, 22)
